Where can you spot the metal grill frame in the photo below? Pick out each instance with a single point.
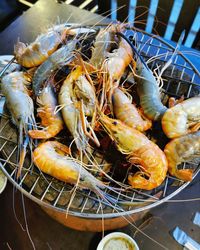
(147, 46)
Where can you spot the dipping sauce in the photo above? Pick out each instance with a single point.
(118, 243)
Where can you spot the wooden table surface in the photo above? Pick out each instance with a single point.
(47, 233)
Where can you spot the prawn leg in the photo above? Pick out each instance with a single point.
(82, 114)
(22, 153)
(195, 128)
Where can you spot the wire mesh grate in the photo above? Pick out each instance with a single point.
(180, 78)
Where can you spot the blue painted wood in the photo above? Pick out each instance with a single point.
(195, 28)
(177, 7)
(151, 15)
(114, 9)
(174, 15)
(131, 11)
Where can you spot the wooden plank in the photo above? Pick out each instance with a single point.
(162, 16)
(186, 17)
(173, 18)
(142, 11)
(151, 15)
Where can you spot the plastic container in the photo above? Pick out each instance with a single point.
(3, 181)
(117, 241)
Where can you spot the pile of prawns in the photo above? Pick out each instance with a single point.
(90, 98)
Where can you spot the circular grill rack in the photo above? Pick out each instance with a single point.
(180, 78)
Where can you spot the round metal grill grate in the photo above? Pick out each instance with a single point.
(181, 78)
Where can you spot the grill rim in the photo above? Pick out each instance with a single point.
(99, 216)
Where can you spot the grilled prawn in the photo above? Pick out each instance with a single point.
(103, 43)
(78, 101)
(182, 149)
(52, 121)
(14, 88)
(38, 51)
(148, 86)
(148, 91)
(139, 150)
(126, 112)
(53, 158)
(182, 119)
(115, 65)
(111, 55)
(59, 58)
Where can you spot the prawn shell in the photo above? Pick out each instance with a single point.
(118, 60)
(148, 92)
(75, 88)
(126, 112)
(50, 162)
(37, 52)
(52, 158)
(52, 121)
(59, 58)
(20, 105)
(182, 149)
(102, 46)
(18, 101)
(176, 120)
(139, 150)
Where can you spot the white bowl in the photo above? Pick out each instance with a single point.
(117, 235)
(3, 181)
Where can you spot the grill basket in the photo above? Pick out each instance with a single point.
(181, 78)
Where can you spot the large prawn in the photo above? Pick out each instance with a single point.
(182, 149)
(147, 87)
(44, 45)
(14, 88)
(103, 43)
(53, 158)
(182, 119)
(115, 55)
(126, 112)
(59, 58)
(51, 120)
(78, 101)
(139, 150)
(148, 91)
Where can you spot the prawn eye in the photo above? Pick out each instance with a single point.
(114, 123)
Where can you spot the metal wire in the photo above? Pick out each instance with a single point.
(179, 79)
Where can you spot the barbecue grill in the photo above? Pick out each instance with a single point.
(85, 209)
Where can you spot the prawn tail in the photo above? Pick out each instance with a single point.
(184, 174)
(46, 133)
(19, 49)
(139, 182)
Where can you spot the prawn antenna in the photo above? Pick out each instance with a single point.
(176, 49)
(6, 67)
(133, 48)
